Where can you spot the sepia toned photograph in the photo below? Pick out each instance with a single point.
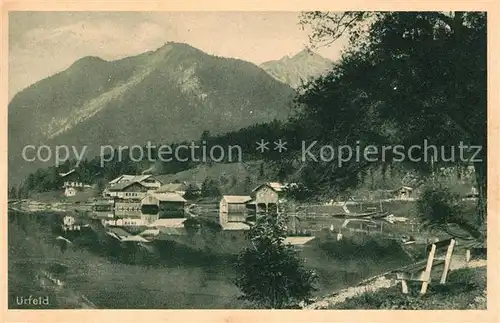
(256, 160)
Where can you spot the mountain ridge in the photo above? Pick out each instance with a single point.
(303, 66)
(170, 94)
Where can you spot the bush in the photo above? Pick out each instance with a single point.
(271, 275)
(438, 205)
(210, 188)
(465, 289)
(192, 192)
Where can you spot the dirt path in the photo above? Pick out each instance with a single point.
(379, 282)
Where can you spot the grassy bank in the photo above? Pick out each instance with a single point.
(465, 289)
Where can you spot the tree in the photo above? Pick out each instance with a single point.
(101, 184)
(205, 136)
(438, 207)
(210, 188)
(403, 74)
(191, 192)
(271, 275)
(261, 171)
(12, 192)
(247, 184)
(224, 179)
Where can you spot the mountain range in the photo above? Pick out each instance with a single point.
(168, 95)
(302, 67)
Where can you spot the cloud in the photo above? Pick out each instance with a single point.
(44, 43)
(101, 39)
(43, 51)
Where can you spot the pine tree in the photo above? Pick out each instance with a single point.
(271, 275)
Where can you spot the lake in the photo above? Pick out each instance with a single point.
(179, 278)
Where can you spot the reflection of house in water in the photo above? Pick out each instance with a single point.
(233, 209)
(149, 209)
(164, 229)
(104, 209)
(164, 205)
(170, 215)
(129, 213)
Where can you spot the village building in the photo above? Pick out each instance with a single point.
(127, 190)
(81, 192)
(70, 178)
(281, 189)
(233, 209)
(148, 181)
(404, 193)
(164, 205)
(170, 206)
(265, 201)
(177, 188)
(72, 185)
(129, 213)
(134, 204)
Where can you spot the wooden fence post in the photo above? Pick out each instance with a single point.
(404, 287)
(467, 256)
(428, 268)
(447, 261)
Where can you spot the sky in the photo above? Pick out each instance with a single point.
(44, 43)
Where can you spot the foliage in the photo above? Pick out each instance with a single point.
(271, 274)
(247, 184)
(237, 84)
(261, 171)
(438, 205)
(191, 192)
(465, 289)
(91, 171)
(299, 192)
(210, 188)
(12, 192)
(384, 91)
